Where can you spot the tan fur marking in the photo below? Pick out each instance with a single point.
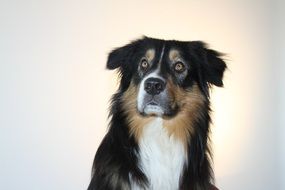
(136, 121)
(190, 103)
(150, 53)
(174, 55)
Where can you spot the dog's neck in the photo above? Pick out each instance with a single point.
(162, 156)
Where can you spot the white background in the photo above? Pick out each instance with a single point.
(54, 89)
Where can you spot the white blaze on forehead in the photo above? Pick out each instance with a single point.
(160, 59)
(161, 55)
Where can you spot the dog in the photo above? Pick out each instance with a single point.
(158, 136)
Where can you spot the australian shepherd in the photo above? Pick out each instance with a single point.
(158, 137)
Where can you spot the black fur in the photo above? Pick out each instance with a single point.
(117, 158)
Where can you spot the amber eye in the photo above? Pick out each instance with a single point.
(179, 67)
(144, 64)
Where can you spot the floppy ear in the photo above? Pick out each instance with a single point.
(211, 65)
(120, 57)
(215, 67)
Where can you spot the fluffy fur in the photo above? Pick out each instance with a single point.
(158, 136)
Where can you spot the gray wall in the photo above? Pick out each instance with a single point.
(278, 53)
(54, 88)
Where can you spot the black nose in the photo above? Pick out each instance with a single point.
(154, 86)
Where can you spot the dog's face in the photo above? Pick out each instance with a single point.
(158, 70)
(160, 75)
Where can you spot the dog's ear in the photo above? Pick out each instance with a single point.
(120, 57)
(215, 66)
(210, 62)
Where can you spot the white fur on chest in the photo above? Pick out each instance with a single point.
(162, 157)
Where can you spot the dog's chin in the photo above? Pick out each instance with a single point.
(153, 110)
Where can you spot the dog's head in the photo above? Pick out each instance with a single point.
(161, 71)
(168, 79)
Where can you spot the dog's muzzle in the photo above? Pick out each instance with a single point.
(153, 98)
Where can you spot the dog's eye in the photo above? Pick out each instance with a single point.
(144, 64)
(179, 67)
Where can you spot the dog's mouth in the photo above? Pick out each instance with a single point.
(153, 108)
(157, 108)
